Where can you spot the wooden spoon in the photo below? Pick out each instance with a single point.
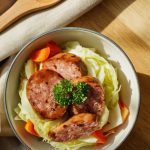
(22, 8)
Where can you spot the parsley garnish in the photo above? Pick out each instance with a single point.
(66, 93)
(80, 93)
(62, 92)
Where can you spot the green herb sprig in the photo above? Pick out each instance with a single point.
(65, 93)
(80, 93)
(62, 92)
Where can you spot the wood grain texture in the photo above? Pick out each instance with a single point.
(21, 8)
(6, 5)
(127, 22)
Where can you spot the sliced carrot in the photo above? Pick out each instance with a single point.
(101, 138)
(29, 127)
(41, 55)
(124, 110)
(54, 48)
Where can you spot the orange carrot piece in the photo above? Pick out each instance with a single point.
(29, 127)
(124, 110)
(41, 55)
(54, 48)
(101, 138)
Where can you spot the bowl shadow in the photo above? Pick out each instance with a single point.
(139, 137)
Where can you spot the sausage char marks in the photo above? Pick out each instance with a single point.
(77, 126)
(69, 66)
(95, 97)
(40, 94)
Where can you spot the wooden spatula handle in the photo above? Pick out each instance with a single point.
(19, 9)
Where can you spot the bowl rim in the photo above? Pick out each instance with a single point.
(75, 29)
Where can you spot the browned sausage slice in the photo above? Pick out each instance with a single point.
(95, 98)
(40, 94)
(69, 66)
(77, 126)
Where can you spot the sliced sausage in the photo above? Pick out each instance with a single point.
(78, 126)
(40, 94)
(95, 97)
(69, 66)
(77, 109)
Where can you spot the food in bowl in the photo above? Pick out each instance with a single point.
(70, 96)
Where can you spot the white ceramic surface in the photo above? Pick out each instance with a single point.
(126, 76)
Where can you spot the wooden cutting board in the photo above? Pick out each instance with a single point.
(127, 22)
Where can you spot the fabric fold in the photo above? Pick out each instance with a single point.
(35, 24)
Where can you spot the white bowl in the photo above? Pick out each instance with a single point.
(126, 74)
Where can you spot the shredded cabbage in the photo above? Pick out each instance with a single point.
(30, 68)
(104, 118)
(100, 68)
(115, 119)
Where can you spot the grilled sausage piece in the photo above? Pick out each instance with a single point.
(40, 94)
(69, 66)
(78, 126)
(95, 97)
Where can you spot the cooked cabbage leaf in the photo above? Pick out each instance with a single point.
(115, 119)
(30, 68)
(104, 118)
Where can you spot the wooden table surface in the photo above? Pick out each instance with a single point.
(127, 22)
